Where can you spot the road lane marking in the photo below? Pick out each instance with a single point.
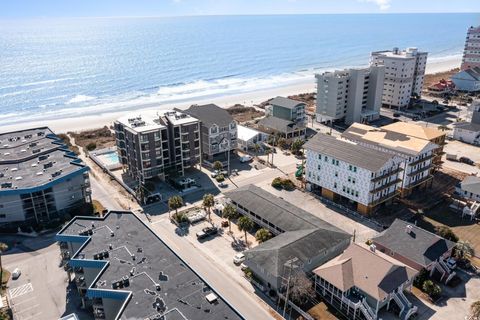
(20, 291)
(23, 301)
(27, 309)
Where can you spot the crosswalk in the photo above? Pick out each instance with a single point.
(20, 291)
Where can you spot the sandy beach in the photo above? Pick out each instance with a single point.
(80, 123)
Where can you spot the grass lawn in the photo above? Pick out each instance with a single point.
(322, 311)
(464, 228)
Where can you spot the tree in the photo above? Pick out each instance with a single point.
(174, 203)
(263, 235)
(282, 143)
(301, 289)
(245, 224)
(475, 310)
(217, 165)
(208, 203)
(443, 127)
(3, 248)
(277, 183)
(446, 232)
(256, 147)
(432, 289)
(229, 212)
(296, 146)
(464, 250)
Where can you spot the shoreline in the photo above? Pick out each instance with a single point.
(62, 125)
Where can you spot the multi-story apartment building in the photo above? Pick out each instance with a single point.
(344, 170)
(40, 179)
(404, 74)
(421, 132)
(352, 95)
(417, 154)
(123, 270)
(155, 144)
(471, 53)
(218, 132)
(285, 117)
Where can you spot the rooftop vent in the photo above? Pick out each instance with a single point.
(6, 185)
(36, 150)
(48, 165)
(211, 297)
(28, 136)
(373, 247)
(14, 169)
(408, 229)
(19, 178)
(40, 134)
(159, 305)
(34, 164)
(44, 157)
(86, 232)
(23, 150)
(33, 144)
(7, 153)
(40, 173)
(56, 174)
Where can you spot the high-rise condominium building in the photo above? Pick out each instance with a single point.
(154, 144)
(471, 53)
(354, 95)
(404, 74)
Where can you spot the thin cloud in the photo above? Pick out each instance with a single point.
(382, 4)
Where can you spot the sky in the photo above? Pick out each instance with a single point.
(125, 8)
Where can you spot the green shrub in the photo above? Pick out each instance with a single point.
(446, 233)
(420, 279)
(277, 183)
(287, 184)
(432, 289)
(220, 178)
(91, 146)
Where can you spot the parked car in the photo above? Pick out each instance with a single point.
(239, 258)
(246, 158)
(153, 198)
(451, 263)
(16, 274)
(223, 184)
(466, 160)
(207, 232)
(243, 267)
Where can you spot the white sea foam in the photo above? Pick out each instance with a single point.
(80, 98)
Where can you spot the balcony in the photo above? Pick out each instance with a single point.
(386, 175)
(385, 186)
(422, 159)
(416, 183)
(415, 172)
(384, 198)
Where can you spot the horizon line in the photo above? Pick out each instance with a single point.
(231, 15)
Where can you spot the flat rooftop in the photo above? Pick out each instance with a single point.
(178, 118)
(142, 122)
(33, 158)
(182, 291)
(414, 130)
(395, 141)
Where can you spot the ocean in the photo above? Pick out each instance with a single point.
(54, 68)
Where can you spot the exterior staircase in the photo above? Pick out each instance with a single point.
(407, 309)
(367, 310)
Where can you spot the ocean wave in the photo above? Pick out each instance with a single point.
(80, 98)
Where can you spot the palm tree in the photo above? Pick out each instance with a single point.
(256, 147)
(475, 310)
(217, 165)
(208, 203)
(263, 235)
(245, 224)
(229, 212)
(174, 203)
(3, 248)
(282, 143)
(464, 250)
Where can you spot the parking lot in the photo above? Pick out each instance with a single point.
(41, 291)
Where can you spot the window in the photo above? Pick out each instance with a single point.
(353, 180)
(354, 169)
(335, 185)
(319, 167)
(326, 158)
(336, 174)
(319, 157)
(349, 179)
(343, 188)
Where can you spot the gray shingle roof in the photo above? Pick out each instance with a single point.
(474, 73)
(285, 102)
(279, 124)
(473, 127)
(419, 245)
(471, 184)
(305, 236)
(302, 244)
(281, 213)
(351, 153)
(210, 114)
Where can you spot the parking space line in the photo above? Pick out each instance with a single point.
(23, 301)
(27, 309)
(33, 316)
(21, 290)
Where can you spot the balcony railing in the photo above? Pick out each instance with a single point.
(415, 172)
(416, 183)
(422, 159)
(384, 198)
(387, 174)
(385, 186)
